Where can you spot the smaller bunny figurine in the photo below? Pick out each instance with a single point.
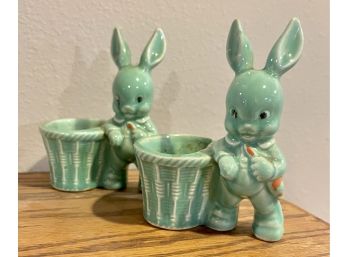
(132, 101)
(250, 163)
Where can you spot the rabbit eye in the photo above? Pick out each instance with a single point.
(234, 113)
(264, 115)
(139, 99)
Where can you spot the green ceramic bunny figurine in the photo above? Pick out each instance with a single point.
(250, 163)
(132, 101)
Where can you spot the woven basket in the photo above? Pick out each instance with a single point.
(176, 177)
(75, 152)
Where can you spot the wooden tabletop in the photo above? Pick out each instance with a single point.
(108, 223)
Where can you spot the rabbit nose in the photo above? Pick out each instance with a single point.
(247, 129)
(128, 109)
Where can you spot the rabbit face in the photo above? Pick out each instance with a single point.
(132, 87)
(254, 99)
(253, 107)
(133, 93)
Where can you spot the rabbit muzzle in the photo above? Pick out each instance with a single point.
(127, 109)
(247, 132)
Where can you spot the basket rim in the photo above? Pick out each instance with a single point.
(89, 134)
(201, 157)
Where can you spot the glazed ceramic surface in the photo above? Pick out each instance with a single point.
(176, 173)
(132, 101)
(251, 165)
(75, 149)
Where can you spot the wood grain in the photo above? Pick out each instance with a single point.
(109, 223)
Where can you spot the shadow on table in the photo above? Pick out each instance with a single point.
(126, 208)
(120, 207)
(243, 228)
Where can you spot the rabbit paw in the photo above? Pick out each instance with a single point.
(262, 169)
(136, 132)
(228, 167)
(115, 137)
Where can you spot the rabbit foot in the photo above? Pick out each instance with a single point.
(111, 182)
(223, 219)
(114, 185)
(270, 233)
(269, 227)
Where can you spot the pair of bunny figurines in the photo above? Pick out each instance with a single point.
(249, 162)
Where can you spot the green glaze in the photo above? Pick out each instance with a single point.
(132, 101)
(176, 173)
(75, 149)
(250, 163)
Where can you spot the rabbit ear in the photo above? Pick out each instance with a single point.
(287, 50)
(154, 51)
(119, 50)
(238, 49)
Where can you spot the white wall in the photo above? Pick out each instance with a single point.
(65, 70)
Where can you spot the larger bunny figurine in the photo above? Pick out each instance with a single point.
(250, 163)
(132, 101)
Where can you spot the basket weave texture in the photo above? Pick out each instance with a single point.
(76, 159)
(175, 192)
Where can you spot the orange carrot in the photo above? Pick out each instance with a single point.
(130, 126)
(276, 183)
(250, 151)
